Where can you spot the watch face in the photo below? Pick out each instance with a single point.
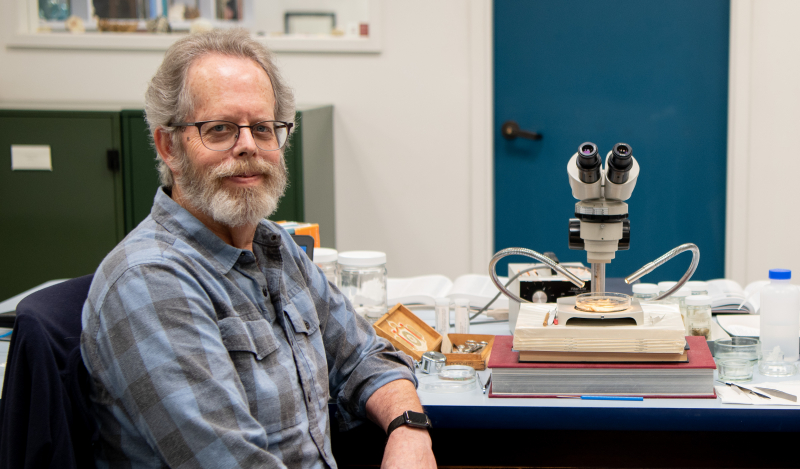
(416, 418)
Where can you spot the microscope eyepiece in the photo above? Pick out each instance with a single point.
(589, 163)
(620, 163)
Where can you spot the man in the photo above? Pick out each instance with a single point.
(212, 341)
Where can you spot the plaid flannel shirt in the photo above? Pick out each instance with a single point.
(205, 355)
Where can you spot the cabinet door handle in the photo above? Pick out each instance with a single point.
(112, 159)
(511, 130)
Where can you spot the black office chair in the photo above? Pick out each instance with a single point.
(44, 410)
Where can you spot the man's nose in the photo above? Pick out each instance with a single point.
(245, 144)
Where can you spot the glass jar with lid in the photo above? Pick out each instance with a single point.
(697, 288)
(665, 286)
(362, 277)
(326, 258)
(679, 298)
(698, 315)
(645, 291)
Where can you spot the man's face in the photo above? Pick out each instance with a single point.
(242, 185)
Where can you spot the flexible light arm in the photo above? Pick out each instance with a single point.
(662, 260)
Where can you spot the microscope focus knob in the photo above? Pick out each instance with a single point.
(575, 240)
(625, 243)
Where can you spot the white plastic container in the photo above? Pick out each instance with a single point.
(326, 258)
(780, 321)
(645, 291)
(363, 282)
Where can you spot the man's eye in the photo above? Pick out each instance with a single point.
(219, 128)
(262, 129)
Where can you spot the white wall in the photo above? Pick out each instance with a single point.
(412, 177)
(764, 149)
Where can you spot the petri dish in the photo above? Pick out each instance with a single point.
(452, 379)
(602, 302)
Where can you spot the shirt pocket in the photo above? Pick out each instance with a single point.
(306, 331)
(255, 337)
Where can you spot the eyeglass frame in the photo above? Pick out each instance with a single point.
(200, 124)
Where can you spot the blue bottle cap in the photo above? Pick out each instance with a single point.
(780, 274)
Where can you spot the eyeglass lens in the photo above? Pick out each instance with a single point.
(222, 135)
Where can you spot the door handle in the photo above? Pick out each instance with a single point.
(511, 130)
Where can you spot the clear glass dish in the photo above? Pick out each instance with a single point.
(452, 379)
(602, 302)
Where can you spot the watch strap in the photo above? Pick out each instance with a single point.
(404, 419)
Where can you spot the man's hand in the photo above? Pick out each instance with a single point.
(407, 447)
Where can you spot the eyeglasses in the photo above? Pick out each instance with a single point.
(222, 135)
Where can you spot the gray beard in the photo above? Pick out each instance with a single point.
(239, 206)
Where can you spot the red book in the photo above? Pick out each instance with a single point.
(691, 379)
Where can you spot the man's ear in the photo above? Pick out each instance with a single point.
(164, 147)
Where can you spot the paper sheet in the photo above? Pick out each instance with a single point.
(732, 395)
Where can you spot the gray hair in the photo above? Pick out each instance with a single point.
(168, 98)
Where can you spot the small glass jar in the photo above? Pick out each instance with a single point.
(462, 316)
(326, 258)
(697, 288)
(645, 291)
(679, 298)
(362, 277)
(698, 314)
(442, 312)
(665, 286)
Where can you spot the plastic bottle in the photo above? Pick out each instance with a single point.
(780, 321)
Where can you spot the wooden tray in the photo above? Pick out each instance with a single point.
(475, 360)
(408, 333)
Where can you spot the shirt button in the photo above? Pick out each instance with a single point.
(309, 399)
(273, 238)
(264, 291)
(308, 326)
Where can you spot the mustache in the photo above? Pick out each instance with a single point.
(249, 166)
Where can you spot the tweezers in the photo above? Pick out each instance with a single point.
(484, 386)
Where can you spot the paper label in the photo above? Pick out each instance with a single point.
(31, 157)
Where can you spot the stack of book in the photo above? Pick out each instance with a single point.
(693, 378)
(601, 357)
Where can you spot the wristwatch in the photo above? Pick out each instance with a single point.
(410, 418)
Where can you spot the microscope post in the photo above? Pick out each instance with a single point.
(598, 277)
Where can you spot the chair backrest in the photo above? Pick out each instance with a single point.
(44, 410)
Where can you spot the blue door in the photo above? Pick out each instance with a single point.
(650, 73)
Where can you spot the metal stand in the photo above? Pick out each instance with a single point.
(598, 277)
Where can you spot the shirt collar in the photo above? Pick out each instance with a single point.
(178, 221)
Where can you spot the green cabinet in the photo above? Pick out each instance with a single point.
(58, 223)
(61, 223)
